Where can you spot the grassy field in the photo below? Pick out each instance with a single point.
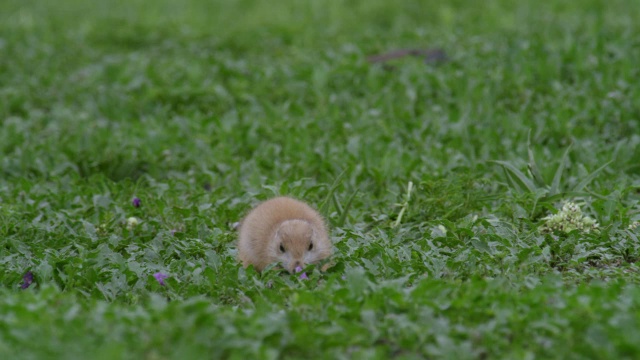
(437, 178)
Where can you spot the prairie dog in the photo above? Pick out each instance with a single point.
(285, 230)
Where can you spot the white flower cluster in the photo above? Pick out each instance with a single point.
(634, 225)
(568, 219)
(132, 222)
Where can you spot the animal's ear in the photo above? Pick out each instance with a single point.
(277, 233)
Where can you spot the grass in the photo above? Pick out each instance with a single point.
(202, 109)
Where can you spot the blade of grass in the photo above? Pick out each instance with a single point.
(404, 205)
(590, 177)
(568, 195)
(324, 205)
(522, 178)
(451, 211)
(555, 184)
(337, 204)
(511, 182)
(533, 167)
(345, 211)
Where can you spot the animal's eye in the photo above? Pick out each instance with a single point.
(281, 248)
(310, 246)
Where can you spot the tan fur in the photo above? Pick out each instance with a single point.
(287, 222)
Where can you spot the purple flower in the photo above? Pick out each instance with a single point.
(160, 277)
(27, 280)
(136, 202)
(303, 276)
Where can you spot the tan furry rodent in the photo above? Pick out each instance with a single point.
(283, 230)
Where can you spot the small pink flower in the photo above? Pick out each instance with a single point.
(303, 276)
(160, 277)
(27, 280)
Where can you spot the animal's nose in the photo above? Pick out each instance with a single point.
(297, 266)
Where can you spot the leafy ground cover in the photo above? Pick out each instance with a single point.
(443, 180)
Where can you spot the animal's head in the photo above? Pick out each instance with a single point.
(297, 243)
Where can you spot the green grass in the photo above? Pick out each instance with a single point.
(204, 108)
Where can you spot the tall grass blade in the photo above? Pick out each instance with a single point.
(345, 211)
(525, 182)
(324, 205)
(532, 166)
(555, 184)
(590, 177)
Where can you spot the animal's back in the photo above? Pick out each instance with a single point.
(258, 227)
